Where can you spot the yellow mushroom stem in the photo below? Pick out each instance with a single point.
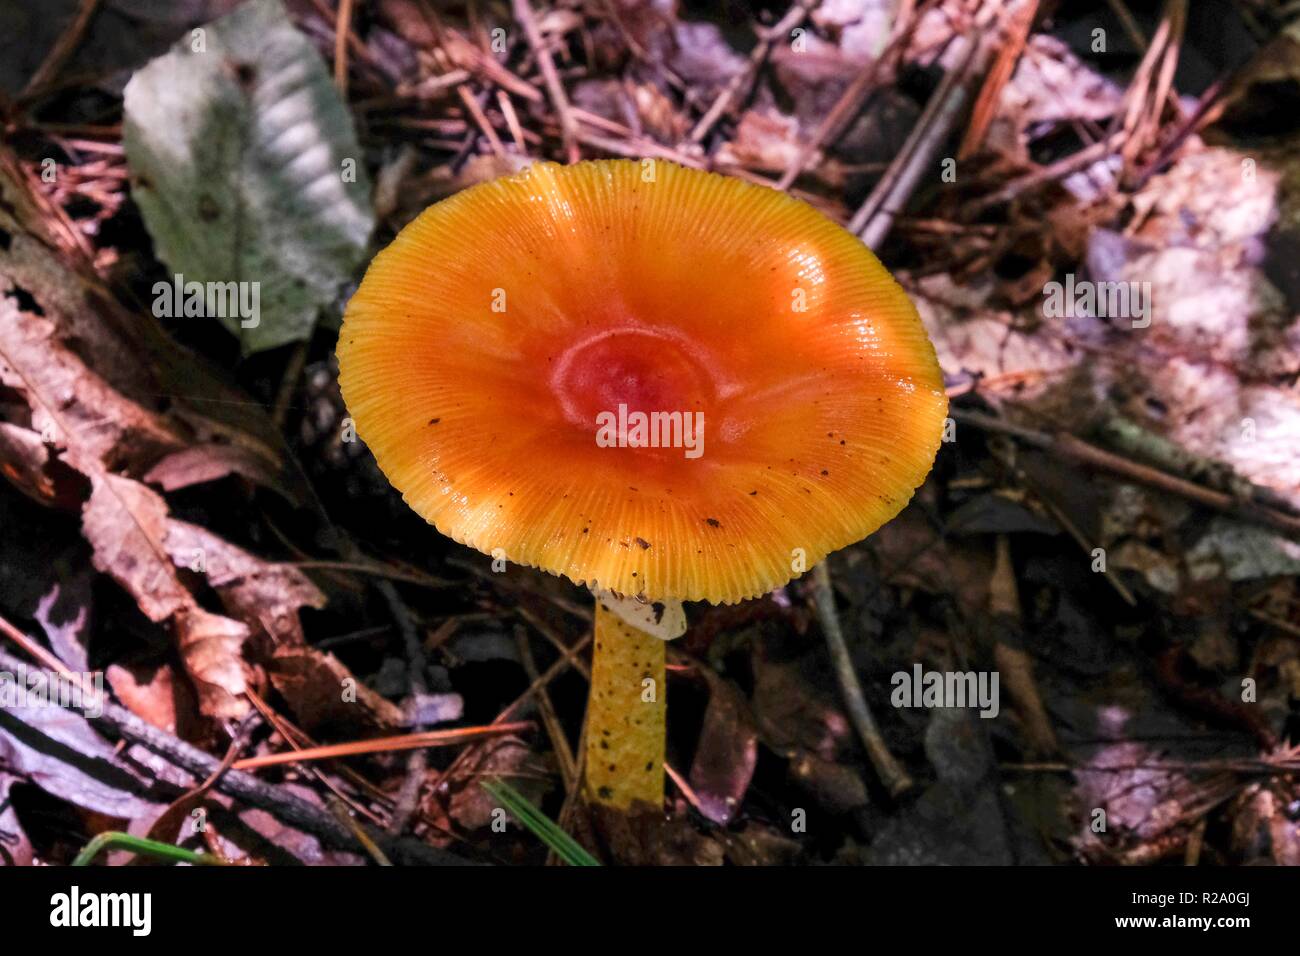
(625, 715)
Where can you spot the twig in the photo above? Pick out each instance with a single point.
(1004, 65)
(481, 120)
(890, 772)
(550, 720)
(684, 786)
(417, 763)
(854, 97)
(1129, 23)
(63, 48)
(342, 27)
(289, 383)
(1012, 661)
(548, 632)
(248, 789)
(1082, 453)
(416, 741)
(344, 816)
(297, 739)
(512, 121)
(549, 675)
(568, 127)
(875, 217)
(365, 567)
(742, 81)
(1143, 107)
(1063, 167)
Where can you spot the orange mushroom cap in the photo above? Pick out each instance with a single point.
(491, 345)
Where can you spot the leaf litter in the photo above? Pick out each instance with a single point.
(240, 560)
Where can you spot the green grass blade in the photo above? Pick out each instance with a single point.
(517, 805)
(116, 840)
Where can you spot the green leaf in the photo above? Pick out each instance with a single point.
(566, 847)
(246, 168)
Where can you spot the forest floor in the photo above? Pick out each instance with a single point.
(1112, 525)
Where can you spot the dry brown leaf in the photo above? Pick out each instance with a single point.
(199, 464)
(792, 715)
(154, 694)
(97, 374)
(210, 646)
(323, 693)
(125, 523)
(91, 375)
(25, 460)
(263, 595)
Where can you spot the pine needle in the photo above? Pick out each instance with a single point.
(545, 829)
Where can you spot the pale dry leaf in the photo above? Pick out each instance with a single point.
(125, 524)
(153, 694)
(210, 647)
(264, 595)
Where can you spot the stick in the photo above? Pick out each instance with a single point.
(1080, 452)
(743, 80)
(875, 218)
(249, 790)
(888, 769)
(854, 97)
(568, 127)
(342, 26)
(63, 48)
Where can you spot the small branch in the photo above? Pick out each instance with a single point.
(1080, 452)
(568, 127)
(481, 120)
(875, 217)
(342, 27)
(246, 788)
(854, 97)
(740, 84)
(63, 48)
(1063, 167)
(550, 719)
(1015, 665)
(888, 769)
(289, 383)
(408, 797)
(416, 741)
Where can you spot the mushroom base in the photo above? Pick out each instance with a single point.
(625, 715)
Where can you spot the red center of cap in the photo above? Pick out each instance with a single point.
(646, 370)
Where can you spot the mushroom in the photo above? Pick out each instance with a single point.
(666, 384)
